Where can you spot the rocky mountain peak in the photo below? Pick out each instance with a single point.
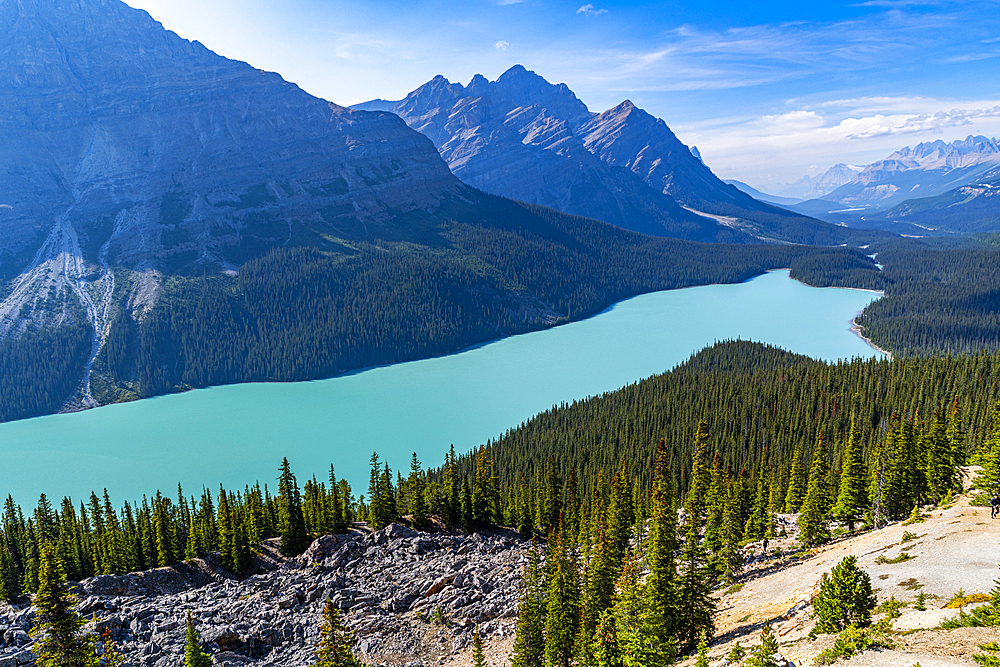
(525, 88)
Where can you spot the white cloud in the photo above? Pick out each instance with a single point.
(501, 45)
(779, 148)
(588, 10)
(925, 123)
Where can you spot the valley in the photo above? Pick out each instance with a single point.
(229, 434)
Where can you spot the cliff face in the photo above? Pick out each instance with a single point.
(127, 152)
(173, 154)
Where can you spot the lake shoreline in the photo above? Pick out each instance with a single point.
(856, 328)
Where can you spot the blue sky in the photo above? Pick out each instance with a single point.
(768, 91)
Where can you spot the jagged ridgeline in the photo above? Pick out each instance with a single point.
(761, 405)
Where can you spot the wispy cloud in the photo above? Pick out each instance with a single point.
(589, 10)
(925, 123)
(781, 147)
(871, 46)
(501, 45)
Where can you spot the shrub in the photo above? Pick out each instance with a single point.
(763, 654)
(921, 602)
(736, 653)
(987, 615)
(852, 640)
(890, 607)
(907, 536)
(915, 516)
(901, 558)
(845, 598)
(988, 659)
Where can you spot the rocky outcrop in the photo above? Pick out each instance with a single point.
(389, 585)
(123, 145)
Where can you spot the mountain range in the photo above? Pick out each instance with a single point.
(170, 218)
(525, 138)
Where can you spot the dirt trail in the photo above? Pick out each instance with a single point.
(954, 549)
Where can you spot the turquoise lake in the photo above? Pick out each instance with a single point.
(239, 433)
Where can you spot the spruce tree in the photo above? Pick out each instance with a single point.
(58, 630)
(813, 524)
(731, 556)
(478, 657)
(562, 615)
(415, 494)
(293, 526)
(335, 642)
(468, 523)
(942, 472)
(638, 634)
(852, 500)
(660, 595)
(604, 648)
(194, 654)
(695, 606)
(10, 586)
(526, 523)
(763, 654)
(702, 659)
(529, 640)
(553, 497)
(796, 482)
(845, 597)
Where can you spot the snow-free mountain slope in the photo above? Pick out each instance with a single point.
(515, 137)
(761, 196)
(523, 137)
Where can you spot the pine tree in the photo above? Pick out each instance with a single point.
(58, 630)
(562, 616)
(763, 654)
(702, 660)
(796, 482)
(529, 640)
(478, 657)
(661, 599)
(813, 524)
(415, 493)
(852, 500)
(334, 647)
(845, 597)
(293, 526)
(194, 654)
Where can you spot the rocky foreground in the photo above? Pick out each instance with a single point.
(414, 599)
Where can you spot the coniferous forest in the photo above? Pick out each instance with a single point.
(739, 433)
